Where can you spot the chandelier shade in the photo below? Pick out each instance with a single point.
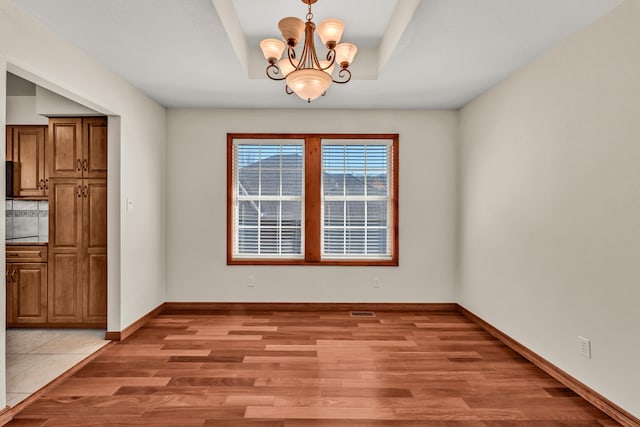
(307, 74)
(272, 49)
(308, 83)
(292, 29)
(345, 53)
(330, 31)
(285, 66)
(327, 67)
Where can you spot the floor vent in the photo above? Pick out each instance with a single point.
(363, 314)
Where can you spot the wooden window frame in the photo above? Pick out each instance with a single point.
(312, 201)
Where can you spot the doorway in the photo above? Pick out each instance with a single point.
(35, 356)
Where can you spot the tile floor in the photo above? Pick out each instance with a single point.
(37, 356)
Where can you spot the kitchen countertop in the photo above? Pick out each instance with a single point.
(27, 241)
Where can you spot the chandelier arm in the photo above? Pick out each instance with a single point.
(291, 54)
(306, 61)
(288, 90)
(331, 57)
(344, 76)
(273, 72)
(313, 61)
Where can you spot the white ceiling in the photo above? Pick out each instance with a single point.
(187, 53)
(259, 19)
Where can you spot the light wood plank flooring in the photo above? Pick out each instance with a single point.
(310, 368)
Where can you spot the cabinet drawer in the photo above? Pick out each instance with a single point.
(36, 253)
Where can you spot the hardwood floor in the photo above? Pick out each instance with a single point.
(322, 368)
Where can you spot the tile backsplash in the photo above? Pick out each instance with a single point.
(27, 220)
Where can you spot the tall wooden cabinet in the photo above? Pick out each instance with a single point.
(26, 145)
(77, 282)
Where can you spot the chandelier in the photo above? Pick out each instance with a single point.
(308, 77)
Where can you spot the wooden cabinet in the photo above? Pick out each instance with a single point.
(78, 147)
(78, 251)
(94, 237)
(65, 251)
(77, 284)
(26, 145)
(65, 285)
(26, 285)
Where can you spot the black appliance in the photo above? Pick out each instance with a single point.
(12, 179)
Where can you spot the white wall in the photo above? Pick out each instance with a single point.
(30, 51)
(50, 104)
(550, 215)
(3, 257)
(196, 210)
(21, 110)
(35, 109)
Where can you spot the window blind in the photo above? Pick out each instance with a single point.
(268, 179)
(356, 183)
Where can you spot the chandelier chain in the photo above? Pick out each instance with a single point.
(309, 14)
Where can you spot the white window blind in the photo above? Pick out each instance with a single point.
(356, 183)
(268, 179)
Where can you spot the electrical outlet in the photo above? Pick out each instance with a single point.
(584, 347)
(251, 282)
(376, 282)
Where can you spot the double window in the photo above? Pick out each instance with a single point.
(312, 199)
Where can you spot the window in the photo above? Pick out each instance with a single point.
(269, 199)
(317, 199)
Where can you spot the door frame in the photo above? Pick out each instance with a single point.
(113, 202)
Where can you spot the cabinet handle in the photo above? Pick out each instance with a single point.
(79, 191)
(13, 276)
(41, 184)
(84, 165)
(46, 184)
(79, 165)
(85, 192)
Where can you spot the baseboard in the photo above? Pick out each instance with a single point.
(126, 332)
(178, 307)
(11, 411)
(239, 307)
(590, 395)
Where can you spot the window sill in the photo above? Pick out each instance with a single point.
(332, 262)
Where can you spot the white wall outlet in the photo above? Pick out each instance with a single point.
(376, 282)
(251, 282)
(584, 347)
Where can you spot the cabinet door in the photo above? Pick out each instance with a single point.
(94, 231)
(28, 147)
(94, 162)
(64, 151)
(65, 251)
(28, 283)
